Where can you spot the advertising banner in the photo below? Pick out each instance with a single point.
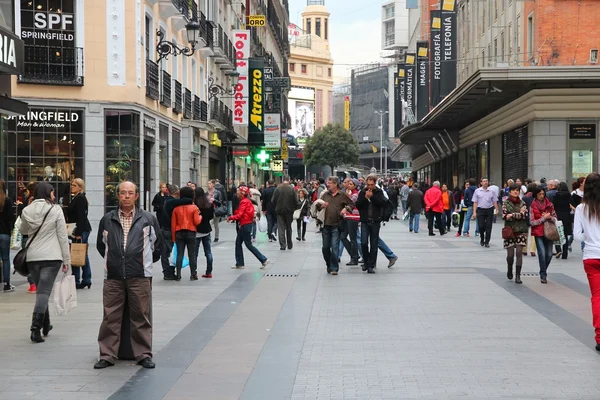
(273, 131)
(422, 80)
(256, 126)
(241, 42)
(409, 85)
(347, 113)
(398, 97)
(435, 57)
(301, 107)
(449, 48)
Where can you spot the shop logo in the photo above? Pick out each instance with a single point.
(240, 105)
(256, 116)
(44, 119)
(50, 26)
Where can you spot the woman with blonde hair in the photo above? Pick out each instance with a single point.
(77, 213)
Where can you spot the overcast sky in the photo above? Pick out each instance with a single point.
(354, 31)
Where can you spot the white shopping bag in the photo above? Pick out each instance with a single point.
(16, 238)
(262, 224)
(65, 295)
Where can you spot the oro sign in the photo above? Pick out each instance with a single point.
(241, 42)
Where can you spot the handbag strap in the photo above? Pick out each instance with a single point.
(36, 232)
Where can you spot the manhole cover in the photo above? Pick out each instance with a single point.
(282, 275)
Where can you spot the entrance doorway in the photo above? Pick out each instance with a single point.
(149, 187)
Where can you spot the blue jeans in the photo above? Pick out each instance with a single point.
(413, 221)
(331, 246)
(544, 253)
(205, 240)
(87, 270)
(370, 236)
(5, 256)
(244, 236)
(387, 252)
(468, 221)
(403, 206)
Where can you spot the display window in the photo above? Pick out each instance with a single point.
(46, 144)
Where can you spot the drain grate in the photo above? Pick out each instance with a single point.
(532, 274)
(282, 275)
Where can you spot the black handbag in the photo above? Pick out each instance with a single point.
(20, 260)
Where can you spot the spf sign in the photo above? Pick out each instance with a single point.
(53, 21)
(257, 20)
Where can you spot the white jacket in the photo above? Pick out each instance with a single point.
(51, 243)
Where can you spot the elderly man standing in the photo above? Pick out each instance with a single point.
(434, 206)
(129, 239)
(484, 202)
(286, 202)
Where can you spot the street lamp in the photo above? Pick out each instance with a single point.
(381, 113)
(165, 48)
(215, 89)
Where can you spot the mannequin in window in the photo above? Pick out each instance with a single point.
(49, 175)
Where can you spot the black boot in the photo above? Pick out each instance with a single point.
(46, 327)
(37, 321)
(518, 275)
(509, 272)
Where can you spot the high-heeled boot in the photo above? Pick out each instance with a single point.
(518, 274)
(46, 327)
(509, 271)
(37, 320)
(178, 276)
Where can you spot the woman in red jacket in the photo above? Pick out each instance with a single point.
(184, 221)
(542, 210)
(244, 215)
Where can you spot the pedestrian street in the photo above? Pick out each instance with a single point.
(443, 323)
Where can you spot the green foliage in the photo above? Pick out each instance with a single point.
(333, 146)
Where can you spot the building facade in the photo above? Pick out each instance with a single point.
(107, 103)
(394, 25)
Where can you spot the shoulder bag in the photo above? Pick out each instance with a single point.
(298, 211)
(20, 260)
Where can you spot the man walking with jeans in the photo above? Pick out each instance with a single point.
(371, 202)
(286, 202)
(336, 204)
(485, 200)
(415, 204)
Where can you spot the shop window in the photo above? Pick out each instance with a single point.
(44, 145)
(472, 162)
(514, 153)
(122, 135)
(163, 153)
(176, 156)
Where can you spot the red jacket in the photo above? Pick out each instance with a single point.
(185, 218)
(433, 200)
(245, 212)
(535, 216)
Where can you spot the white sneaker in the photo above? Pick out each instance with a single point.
(236, 267)
(264, 265)
(8, 287)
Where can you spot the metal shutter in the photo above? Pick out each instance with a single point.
(514, 148)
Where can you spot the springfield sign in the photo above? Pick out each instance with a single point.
(45, 119)
(241, 41)
(42, 23)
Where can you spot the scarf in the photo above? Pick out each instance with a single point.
(515, 200)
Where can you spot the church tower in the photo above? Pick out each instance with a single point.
(315, 19)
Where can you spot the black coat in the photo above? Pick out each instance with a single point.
(415, 201)
(77, 213)
(378, 203)
(7, 217)
(562, 206)
(267, 200)
(158, 202)
(207, 215)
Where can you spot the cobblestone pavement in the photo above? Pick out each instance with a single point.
(444, 323)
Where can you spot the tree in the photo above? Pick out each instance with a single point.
(333, 146)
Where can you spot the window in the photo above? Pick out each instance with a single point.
(122, 153)
(163, 153)
(530, 36)
(518, 39)
(184, 71)
(326, 28)
(390, 36)
(489, 52)
(308, 30)
(593, 56)
(163, 62)
(329, 69)
(174, 65)
(194, 78)
(389, 11)
(496, 6)
(149, 26)
(292, 67)
(176, 156)
(501, 50)
(35, 152)
(509, 37)
(495, 51)
(318, 27)
(303, 68)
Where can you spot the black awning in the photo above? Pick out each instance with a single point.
(10, 106)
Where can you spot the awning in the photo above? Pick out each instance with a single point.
(12, 107)
(484, 92)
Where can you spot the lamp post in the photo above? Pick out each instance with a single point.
(215, 89)
(385, 161)
(165, 48)
(381, 113)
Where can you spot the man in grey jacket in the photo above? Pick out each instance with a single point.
(286, 202)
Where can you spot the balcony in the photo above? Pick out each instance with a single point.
(178, 101)
(207, 30)
(200, 110)
(223, 50)
(220, 116)
(52, 65)
(165, 93)
(169, 8)
(188, 10)
(187, 104)
(152, 80)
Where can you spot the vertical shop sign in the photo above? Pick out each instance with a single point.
(422, 80)
(449, 48)
(409, 86)
(256, 124)
(241, 41)
(435, 57)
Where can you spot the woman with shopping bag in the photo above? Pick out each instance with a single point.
(47, 251)
(542, 219)
(77, 213)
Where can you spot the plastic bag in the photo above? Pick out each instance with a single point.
(65, 295)
(263, 225)
(16, 237)
(173, 259)
(561, 234)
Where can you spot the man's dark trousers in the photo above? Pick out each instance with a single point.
(271, 224)
(168, 270)
(369, 233)
(284, 230)
(485, 218)
(431, 215)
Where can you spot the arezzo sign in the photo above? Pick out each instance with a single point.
(241, 42)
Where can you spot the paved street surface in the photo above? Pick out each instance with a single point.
(444, 323)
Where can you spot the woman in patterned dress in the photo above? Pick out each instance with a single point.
(515, 215)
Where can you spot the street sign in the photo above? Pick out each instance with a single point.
(257, 20)
(277, 165)
(268, 76)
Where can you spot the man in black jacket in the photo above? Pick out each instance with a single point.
(371, 203)
(268, 208)
(129, 241)
(286, 202)
(164, 220)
